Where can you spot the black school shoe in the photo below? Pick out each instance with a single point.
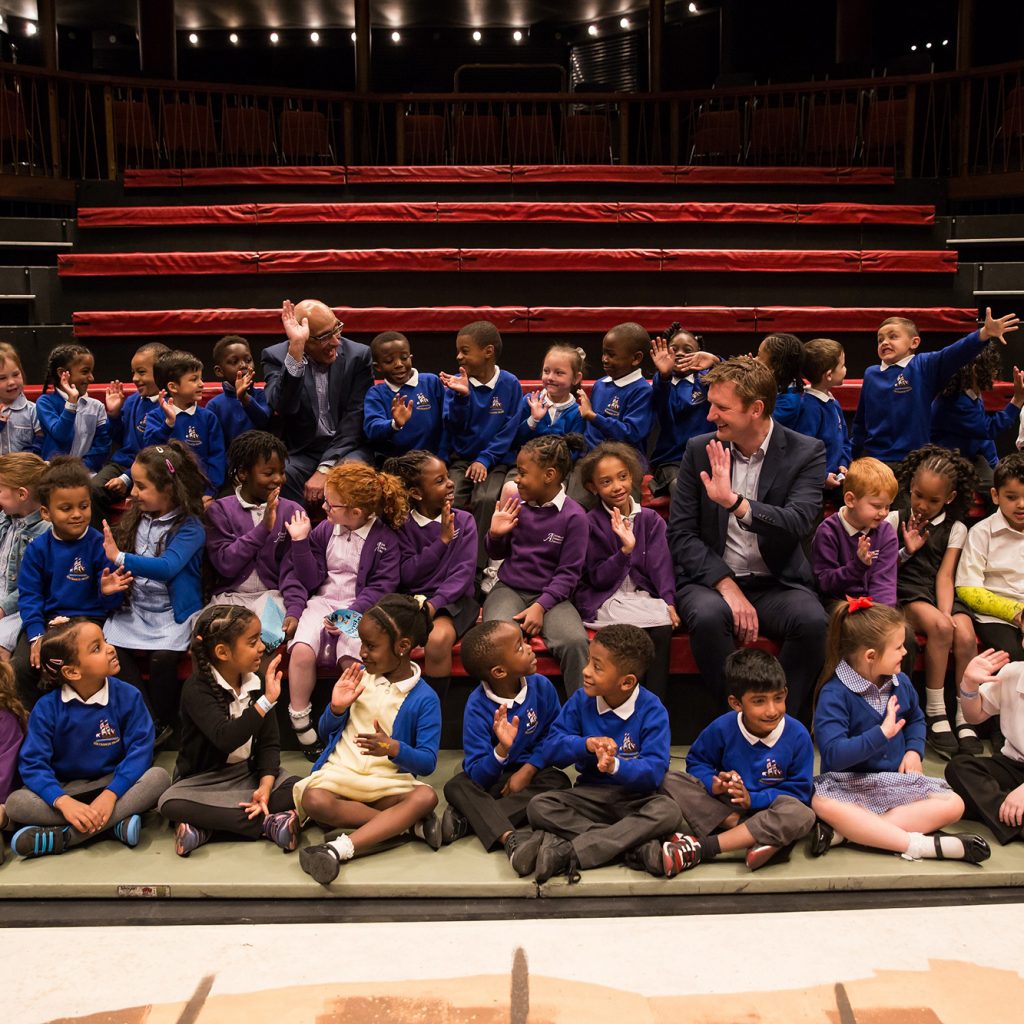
(320, 862)
(522, 848)
(453, 826)
(945, 743)
(556, 857)
(976, 849)
(967, 739)
(821, 838)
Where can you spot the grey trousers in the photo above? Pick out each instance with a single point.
(477, 499)
(604, 822)
(784, 822)
(26, 808)
(562, 631)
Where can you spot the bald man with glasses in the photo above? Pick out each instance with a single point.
(315, 385)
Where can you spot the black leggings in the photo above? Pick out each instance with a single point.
(232, 820)
(161, 691)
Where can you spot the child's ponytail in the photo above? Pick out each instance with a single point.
(394, 502)
(555, 450)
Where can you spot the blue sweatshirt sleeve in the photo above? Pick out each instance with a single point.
(915, 729)
(939, 366)
(216, 457)
(704, 761)
(503, 442)
(566, 743)
(137, 734)
(840, 750)
(420, 756)
(548, 710)
(377, 413)
(857, 434)
(478, 742)
(57, 420)
(31, 584)
(330, 723)
(35, 762)
(182, 546)
(257, 410)
(96, 456)
(647, 771)
(156, 431)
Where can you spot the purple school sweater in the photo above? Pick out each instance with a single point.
(379, 563)
(840, 572)
(443, 573)
(11, 738)
(236, 547)
(544, 552)
(649, 564)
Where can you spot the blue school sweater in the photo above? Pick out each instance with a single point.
(960, 421)
(69, 741)
(424, 429)
(62, 577)
(179, 565)
(236, 418)
(894, 414)
(482, 425)
(681, 409)
(825, 421)
(786, 768)
(536, 714)
(127, 430)
(624, 411)
(84, 432)
(200, 431)
(567, 421)
(787, 405)
(643, 739)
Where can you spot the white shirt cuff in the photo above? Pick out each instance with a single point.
(500, 760)
(615, 769)
(293, 366)
(71, 406)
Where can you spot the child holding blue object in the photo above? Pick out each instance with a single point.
(240, 406)
(72, 422)
(820, 414)
(180, 376)
(19, 423)
(894, 412)
(784, 355)
(507, 720)
(403, 412)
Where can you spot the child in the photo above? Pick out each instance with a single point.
(507, 721)
(382, 730)
(616, 732)
(855, 550)
(940, 484)
(482, 413)
(246, 539)
(870, 732)
(19, 423)
(87, 759)
(784, 355)
(543, 541)
(894, 412)
(619, 407)
(959, 419)
(72, 422)
(627, 575)
(820, 414)
(159, 542)
(179, 415)
(680, 401)
(21, 521)
(240, 406)
(13, 723)
(554, 409)
(403, 412)
(228, 776)
(748, 775)
(438, 545)
(127, 418)
(990, 575)
(349, 561)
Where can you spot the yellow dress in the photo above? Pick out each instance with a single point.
(349, 772)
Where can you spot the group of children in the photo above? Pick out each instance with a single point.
(89, 607)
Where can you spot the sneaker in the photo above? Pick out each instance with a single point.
(943, 743)
(758, 856)
(454, 826)
(555, 857)
(522, 848)
(39, 840)
(821, 838)
(129, 830)
(429, 830)
(282, 828)
(320, 862)
(968, 742)
(680, 853)
(188, 838)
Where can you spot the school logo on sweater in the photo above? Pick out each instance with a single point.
(628, 748)
(105, 735)
(422, 400)
(612, 408)
(497, 409)
(381, 547)
(192, 436)
(902, 385)
(78, 571)
(531, 720)
(771, 771)
(697, 396)
(554, 538)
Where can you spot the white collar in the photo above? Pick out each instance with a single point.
(190, 411)
(165, 518)
(489, 384)
(64, 395)
(101, 696)
(821, 396)
(556, 502)
(412, 382)
(625, 709)
(971, 394)
(622, 382)
(250, 683)
(421, 520)
(634, 508)
(19, 403)
(938, 520)
(690, 378)
(902, 362)
(559, 406)
(762, 447)
(248, 506)
(850, 529)
(363, 532)
(1001, 524)
(506, 701)
(769, 741)
(406, 684)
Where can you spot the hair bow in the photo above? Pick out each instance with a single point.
(856, 604)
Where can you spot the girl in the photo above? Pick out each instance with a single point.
(13, 722)
(438, 545)
(246, 539)
(553, 410)
(628, 560)
(784, 356)
(940, 483)
(159, 540)
(228, 776)
(72, 422)
(19, 423)
(87, 757)
(20, 522)
(349, 561)
(542, 537)
(382, 730)
(870, 732)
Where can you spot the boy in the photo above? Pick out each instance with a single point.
(750, 772)
(820, 414)
(507, 719)
(127, 418)
(483, 407)
(404, 411)
(241, 406)
(180, 376)
(617, 734)
(894, 412)
(990, 574)
(855, 551)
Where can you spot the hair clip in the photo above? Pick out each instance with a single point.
(420, 600)
(856, 604)
(170, 468)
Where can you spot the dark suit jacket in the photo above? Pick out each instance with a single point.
(293, 401)
(783, 511)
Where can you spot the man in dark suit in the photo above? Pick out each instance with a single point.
(745, 499)
(315, 384)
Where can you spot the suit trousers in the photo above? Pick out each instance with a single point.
(984, 783)
(301, 466)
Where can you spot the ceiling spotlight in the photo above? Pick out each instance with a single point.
(314, 37)
(233, 39)
(913, 47)
(945, 42)
(517, 36)
(591, 30)
(692, 8)
(396, 37)
(274, 37)
(193, 38)
(927, 46)
(31, 28)
(623, 22)
(477, 36)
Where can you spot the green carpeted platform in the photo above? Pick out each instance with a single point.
(243, 870)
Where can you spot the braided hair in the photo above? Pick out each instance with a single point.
(59, 647)
(554, 450)
(409, 466)
(217, 624)
(949, 464)
(400, 615)
(247, 449)
(675, 328)
(62, 357)
(784, 356)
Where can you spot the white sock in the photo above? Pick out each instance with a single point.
(935, 704)
(302, 723)
(963, 729)
(343, 847)
(922, 847)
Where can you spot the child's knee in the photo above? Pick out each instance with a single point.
(301, 655)
(425, 798)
